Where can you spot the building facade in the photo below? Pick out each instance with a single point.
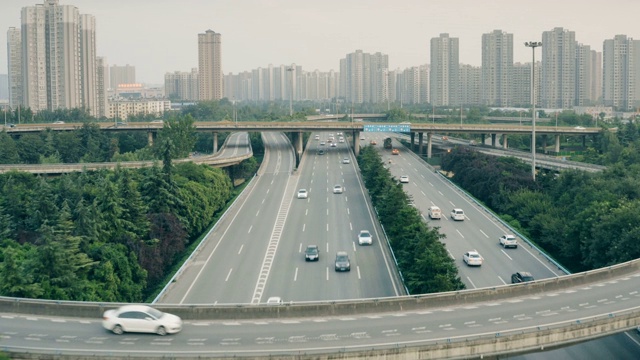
(57, 58)
(210, 66)
(182, 85)
(558, 73)
(445, 67)
(122, 108)
(470, 85)
(497, 68)
(14, 57)
(621, 73)
(121, 75)
(363, 77)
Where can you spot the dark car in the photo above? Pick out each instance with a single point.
(312, 253)
(342, 261)
(320, 152)
(521, 276)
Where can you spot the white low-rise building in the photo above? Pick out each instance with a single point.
(122, 108)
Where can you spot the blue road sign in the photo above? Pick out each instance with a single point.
(387, 128)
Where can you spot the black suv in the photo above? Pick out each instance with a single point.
(521, 276)
(312, 253)
(342, 261)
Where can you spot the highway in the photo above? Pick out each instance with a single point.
(256, 252)
(479, 231)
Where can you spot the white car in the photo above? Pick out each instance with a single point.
(58, 122)
(404, 179)
(435, 213)
(303, 194)
(140, 318)
(457, 214)
(365, 238)
(338, 189)
(317, 137)
(508, 241)
(341, 140)
(472, 258)
(334, 144)
(274, 300)
(346, 161)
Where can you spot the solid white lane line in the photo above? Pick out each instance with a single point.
(229, 274)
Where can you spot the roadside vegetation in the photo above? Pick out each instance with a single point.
(422, 257)
(584, 220)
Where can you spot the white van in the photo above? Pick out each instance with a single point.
(457, 214)
(435, 213)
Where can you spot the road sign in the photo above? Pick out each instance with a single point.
(387, 128)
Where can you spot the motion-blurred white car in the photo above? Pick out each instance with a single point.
(472, 258)
(140, 318)
(303, 194)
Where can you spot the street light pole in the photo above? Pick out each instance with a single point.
(533, 45)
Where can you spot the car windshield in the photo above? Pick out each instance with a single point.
(365, 234)
(474, 255)
(312, 250)
(155, 313)
(341, 258)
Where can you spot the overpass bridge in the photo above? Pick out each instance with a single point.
(462, 324)
(355, 128)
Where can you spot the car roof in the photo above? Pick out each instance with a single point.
(144, 308)
(525, 273)
(473, 252)
(341, 253)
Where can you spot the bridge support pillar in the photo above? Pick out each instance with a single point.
(557, 147)
(483, 139)
(584, 141)
(356, 142)
(150, 138)
(215, 142)
(413, 139)
(429, 136)
(544, 143)
(298, 145)
(493, 140)
(420, 143)
(505, 143)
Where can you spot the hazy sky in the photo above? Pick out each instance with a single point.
(159, 36)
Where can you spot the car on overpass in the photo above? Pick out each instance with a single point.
(404, 179)
(342, 261)
(508, 240)
(346, 160)
(142, 319)
(457, 214)
(365, 238)
(338, 189)
(521, 276)
(395, 152)
(312, 253)
(472, 258)
(303, 194)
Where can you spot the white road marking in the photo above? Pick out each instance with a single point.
(306, 212)
(327, 247)
(229, 274)
(241, 247)
(350, 226)
(450, 254)
(250, 227)
(295, 276)
(487, 236)
(353, 244)
(257, 213)
(472, 284)
(505, 254)
(348, 212)
(327, 227)
(423, 193)
(303, 227)
(504, 282)
(327, 273)
(358, 269)
(458, 231)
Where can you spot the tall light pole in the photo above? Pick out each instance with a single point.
(290, 69)
(533, 45)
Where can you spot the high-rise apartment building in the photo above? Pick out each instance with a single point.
(14, 56)
(210, 65)
(596, 77)
(583, 75)
(57, 57)
(362, 76)
(101, 89)
(558, 77)
(470, 85)
(497, 68)
(182, 85)
(121, 75)
(445, 65)
(621, 73)
(4, 87)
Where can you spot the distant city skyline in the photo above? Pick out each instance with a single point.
(160, 36)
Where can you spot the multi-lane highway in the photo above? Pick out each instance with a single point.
(255, 252)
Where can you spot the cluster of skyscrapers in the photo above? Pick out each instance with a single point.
(52, 64)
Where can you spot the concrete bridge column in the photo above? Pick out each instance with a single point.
(584, 141)
(420, 135)
(505, 144)
(356, 142)
(493, 140)
(298, 145)
(413, 138)
(150, 138)
(483, 139)
(544, 143)
(215, 142)
(429, 135)
(557, 148)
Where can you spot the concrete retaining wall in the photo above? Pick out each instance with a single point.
(329, 308)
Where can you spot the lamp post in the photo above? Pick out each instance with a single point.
(290, 69)
(533, 45)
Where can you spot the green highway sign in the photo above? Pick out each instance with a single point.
(387, 128)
